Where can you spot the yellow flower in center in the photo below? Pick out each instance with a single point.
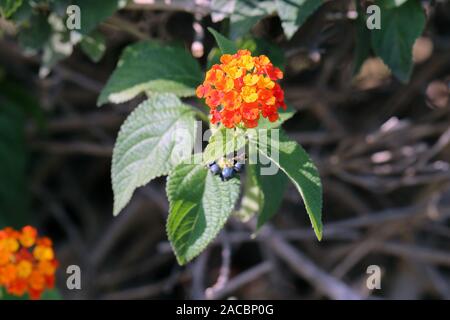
(249, 94)
(24, 269)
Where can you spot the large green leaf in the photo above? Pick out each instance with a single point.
(290, 157)
(400, 27)
(148, 66)
(263, 194)
(272, 188)
(293, 13)
(156, 136)
(225, 45)
(223, 142)
(200, 204)
(247, 13)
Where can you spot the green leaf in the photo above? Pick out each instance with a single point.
(156, 136)
(293, 13)
(290, 157)
(94, 12)
(263, 194)
(148, 66)
(94, 46)
(13, 155)
(200, 204)
(272, 188)
(35, 34)
(247, 13)
(400, 27)
(8, 7)
(225, 45)
(252, 199)
(220, 9)
(223, 142)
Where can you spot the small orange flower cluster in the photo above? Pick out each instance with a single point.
(27, 263)
(242, 88)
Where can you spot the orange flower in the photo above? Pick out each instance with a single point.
(27, 263)
(241, 88)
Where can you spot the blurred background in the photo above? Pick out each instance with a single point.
(382, 148)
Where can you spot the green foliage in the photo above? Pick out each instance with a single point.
(200, 204)
(94, 12)
(13, 189)
(293, 13)
(272, 189)
(35, 33)
(247, 13)
(400, 27)
(94, 45)
(263, 194)
(299, 168)
(50, 294)
(225, 45)
(154, 139)
(8, 7)
(402, 22)
(149, 66)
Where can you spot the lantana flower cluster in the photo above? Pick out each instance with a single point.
(27, 262)
(241, 89)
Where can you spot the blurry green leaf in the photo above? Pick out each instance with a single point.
(223, 142)
(13, 155)
(290, 157)
(247, 13)
(8, 7)
(35, 34)
(156, 136)
(94, 12)
(226, 46)
(200, 204)
(220, 9)
(94, 46)
(148, 66)
(293, 13)
(400, 27)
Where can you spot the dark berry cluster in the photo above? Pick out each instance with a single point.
(226, 169)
